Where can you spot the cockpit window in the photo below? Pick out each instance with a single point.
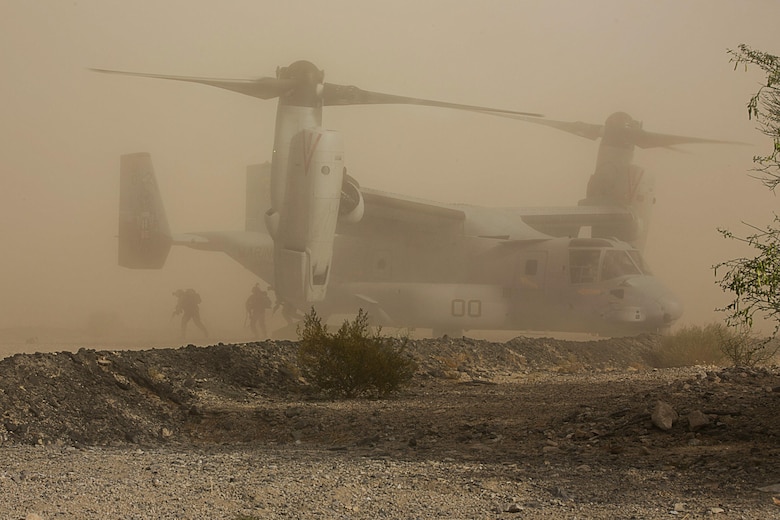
(617, 263)
(639, 261)
(584, 265)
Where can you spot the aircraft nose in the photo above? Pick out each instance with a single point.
(659, 306)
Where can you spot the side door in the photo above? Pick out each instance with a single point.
(528, 291)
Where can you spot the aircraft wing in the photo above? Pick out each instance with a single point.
(402, 210)
(414, 215)
(567, 221)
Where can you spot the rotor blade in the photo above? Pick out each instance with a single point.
(349, 95)
(636, 136)
(263, 88)
(654, 140)
(586, 130)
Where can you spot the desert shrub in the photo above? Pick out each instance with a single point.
(690, 345)
(354, 361)
(569, 364)
(744, 348)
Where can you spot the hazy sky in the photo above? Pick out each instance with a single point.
(62, 128)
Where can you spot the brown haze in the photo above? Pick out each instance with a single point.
(62, 128)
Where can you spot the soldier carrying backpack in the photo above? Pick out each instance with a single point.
(188, 305)
(256, 305)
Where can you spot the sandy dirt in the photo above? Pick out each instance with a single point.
(560, 429)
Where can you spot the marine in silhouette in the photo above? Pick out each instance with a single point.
(256, 305)
(188, 305)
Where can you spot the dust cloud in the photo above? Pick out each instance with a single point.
(64, 127)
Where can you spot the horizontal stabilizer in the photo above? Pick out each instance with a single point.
(258, 195)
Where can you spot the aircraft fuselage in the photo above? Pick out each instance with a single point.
(451, 285)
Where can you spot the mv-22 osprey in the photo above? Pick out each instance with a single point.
(324, 241)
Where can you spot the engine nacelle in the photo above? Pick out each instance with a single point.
(305, 225)
(618, 182)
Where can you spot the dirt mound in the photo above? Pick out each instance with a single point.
(579, 427)
(116, 397)
(532, 393)
(523, 354)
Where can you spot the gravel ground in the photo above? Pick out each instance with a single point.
(531, 429)
(309, 482)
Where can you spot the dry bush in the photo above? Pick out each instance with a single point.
(570, 364)
(354, 361)
(744, 348)
(690, 345)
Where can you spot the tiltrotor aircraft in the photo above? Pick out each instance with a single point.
(324, 241)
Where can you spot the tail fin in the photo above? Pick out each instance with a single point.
(144, 236)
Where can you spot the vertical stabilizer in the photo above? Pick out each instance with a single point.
(144, 236)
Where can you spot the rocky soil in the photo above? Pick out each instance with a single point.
(530, 428)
